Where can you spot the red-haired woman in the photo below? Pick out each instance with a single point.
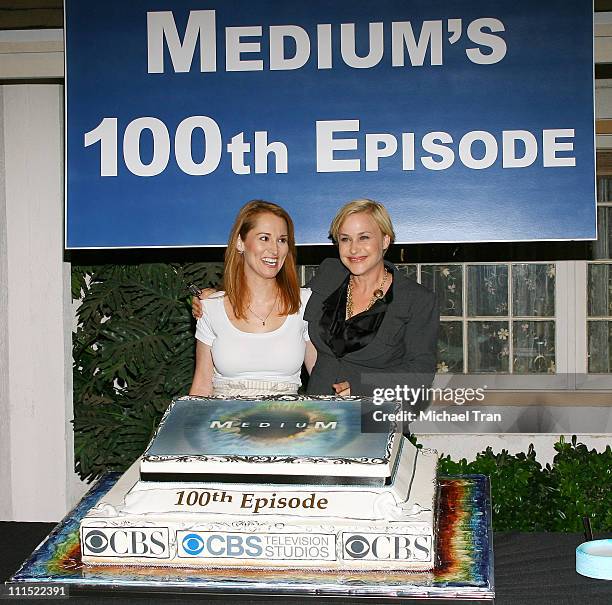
(252, 339)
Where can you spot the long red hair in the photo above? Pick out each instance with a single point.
(234, 281)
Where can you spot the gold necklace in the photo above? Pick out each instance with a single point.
(376, 295)
(264, 319)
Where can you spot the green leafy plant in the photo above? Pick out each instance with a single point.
(527, 497)
(518, 487)
(583, 486)
(133, 351)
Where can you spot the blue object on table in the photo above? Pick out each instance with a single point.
(594, 559)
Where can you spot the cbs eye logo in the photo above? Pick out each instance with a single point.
(357, 547)
(96, 541)
(193, 544)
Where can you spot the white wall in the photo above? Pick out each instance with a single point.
(36, 455)
(5, 428)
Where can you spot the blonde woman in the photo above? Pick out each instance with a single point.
(252, 339)
(372, 327)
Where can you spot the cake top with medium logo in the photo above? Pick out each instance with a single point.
(270, 437)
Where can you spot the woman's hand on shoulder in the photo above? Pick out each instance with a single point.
(197, 310)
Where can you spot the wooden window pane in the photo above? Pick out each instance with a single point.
(533, 290)
(534, 347)
(450, 347)
(447, 282)
(599, 290)
(600, 346)
(487, 290)
(408, 270)
(488, 346)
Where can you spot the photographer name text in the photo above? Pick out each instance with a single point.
(436, 416)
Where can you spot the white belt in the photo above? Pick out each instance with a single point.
(235, 388)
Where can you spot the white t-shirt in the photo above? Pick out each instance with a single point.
(237, 355)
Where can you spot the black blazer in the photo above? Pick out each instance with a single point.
(403, 352)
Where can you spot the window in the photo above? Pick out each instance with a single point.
(599, 287)
(495, 318)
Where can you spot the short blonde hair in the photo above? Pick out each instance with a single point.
(376, 210)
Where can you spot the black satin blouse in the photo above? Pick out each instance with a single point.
(344, 336)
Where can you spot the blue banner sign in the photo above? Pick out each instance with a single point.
(471, 121)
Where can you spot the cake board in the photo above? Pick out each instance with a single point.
(464, 570)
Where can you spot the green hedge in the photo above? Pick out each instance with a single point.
(133, 352)
(528, 497)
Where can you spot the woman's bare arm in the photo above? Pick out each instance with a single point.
(202, 376)
(310, 356)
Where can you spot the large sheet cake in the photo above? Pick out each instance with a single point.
(269, 484)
